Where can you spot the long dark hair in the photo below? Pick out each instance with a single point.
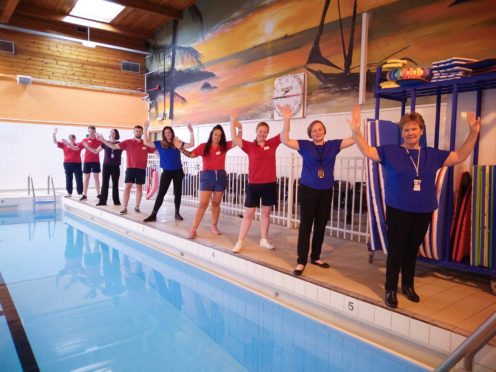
(222, 143)
(164, 142)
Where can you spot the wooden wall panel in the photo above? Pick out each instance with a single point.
(69, 62)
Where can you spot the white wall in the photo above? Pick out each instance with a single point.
(28, 148)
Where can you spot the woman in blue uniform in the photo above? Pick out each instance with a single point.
(410, 194)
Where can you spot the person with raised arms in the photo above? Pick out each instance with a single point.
(262, 185)
(172, 168)
(137, 159)
(72, 162)
(91, 162)
(213, 178)
(410, 194)
(315, 191)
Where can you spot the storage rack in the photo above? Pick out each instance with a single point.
(477, 83)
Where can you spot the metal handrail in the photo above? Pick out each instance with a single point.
(31, 186)
(471, 346)
(50, 183)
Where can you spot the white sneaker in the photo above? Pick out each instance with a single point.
(264, 243)
(238, 246)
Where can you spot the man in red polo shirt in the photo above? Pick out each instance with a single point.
(91, 162)
(261, 179)
(72, 162)
(137, 159)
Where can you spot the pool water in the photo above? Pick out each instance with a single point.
(90, 299)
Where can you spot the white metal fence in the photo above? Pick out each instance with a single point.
(348, 217)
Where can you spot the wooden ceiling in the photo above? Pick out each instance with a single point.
(130, 29)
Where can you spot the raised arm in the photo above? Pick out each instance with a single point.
(191, 142)
(94, 151)
(114, 146)
(54, 137)
(286, 113)
(466, 148)
(178, 143)
(236, 137)
(147, 143)
(355, 116)
(368, 151)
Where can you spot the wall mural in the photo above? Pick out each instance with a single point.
(226, 54)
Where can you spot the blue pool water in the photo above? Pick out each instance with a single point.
(90, 299)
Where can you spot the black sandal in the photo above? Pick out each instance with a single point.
(324, 265)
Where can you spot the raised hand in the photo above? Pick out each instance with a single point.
(177, 142)
(55, 130)
(355, 118)
(473, 124)
(190, 127)
(285, 111)
(146, 125)
(99, 136)
(64, 141)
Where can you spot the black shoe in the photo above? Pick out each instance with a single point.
(390, 299)
(100, 203)
(177, 216)
(297, 271)
(152, 217)
(409, 292)
(324, 265)
(118, 203)
(83, 197)
(99, 196)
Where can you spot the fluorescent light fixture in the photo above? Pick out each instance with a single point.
(98, 10)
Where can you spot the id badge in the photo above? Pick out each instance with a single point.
(416, 184)
(217, 153)
(112, 155)
(320, 173)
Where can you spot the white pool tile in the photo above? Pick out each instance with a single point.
(382, 317)
(400, 324)
(351, 306)
(324, 296)
(259, 272)
(366, 312)
(278, 279)
(268, 275)
(439, 338)
(456, 340)
(289, 282)
(299, 287)
(337, 301)
(419, 331)
(311, 291)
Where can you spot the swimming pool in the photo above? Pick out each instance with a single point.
(91, 299)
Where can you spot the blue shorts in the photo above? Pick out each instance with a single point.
(213, 180)
(135, 175)
(91, 167)
(265, 191)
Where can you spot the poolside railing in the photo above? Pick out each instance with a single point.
(348, 217)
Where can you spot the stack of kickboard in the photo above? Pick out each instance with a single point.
(453, 68)
(483, 217)
(383, 132)
(399, 75)
(461, 223)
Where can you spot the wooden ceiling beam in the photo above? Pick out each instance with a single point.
(8, 9)
(162, 10)
(41, 14)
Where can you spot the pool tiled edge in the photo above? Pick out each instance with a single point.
(280, 285)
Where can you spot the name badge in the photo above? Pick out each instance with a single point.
(320, 173)
(112, 155)
(416, 184)
(266, 147)
(143, 148)
(217, 153)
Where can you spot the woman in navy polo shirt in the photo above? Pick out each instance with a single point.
(317, 179)
(410, 194)
(172, 168)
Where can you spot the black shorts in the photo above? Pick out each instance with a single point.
(91, 167)
(265, 191)
(135, 175)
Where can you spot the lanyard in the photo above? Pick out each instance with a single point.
(416, 166)
(321, 153)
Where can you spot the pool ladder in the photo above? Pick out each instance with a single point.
(50, 198)
(471, 346)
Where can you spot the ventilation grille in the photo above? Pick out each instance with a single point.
(24, 80)
(130, 67)
(7, 46)
(82, 29)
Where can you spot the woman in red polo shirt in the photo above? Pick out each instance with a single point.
(261, 179)
(72, 162)
(213, 177)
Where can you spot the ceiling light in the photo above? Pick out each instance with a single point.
(98, 10)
